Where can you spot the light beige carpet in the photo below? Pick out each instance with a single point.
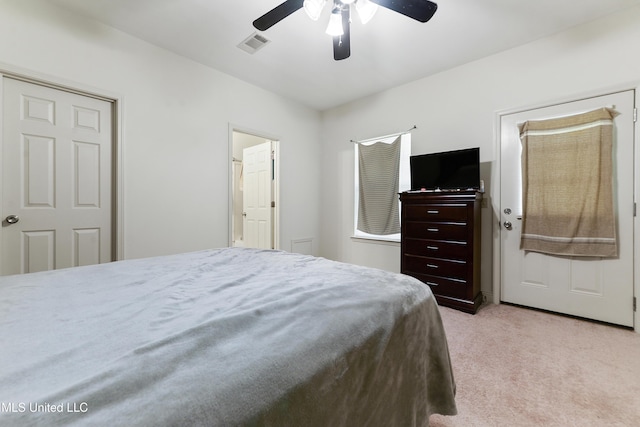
(521, 367)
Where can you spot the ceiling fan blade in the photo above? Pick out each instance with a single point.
(342, 44)
(420, 10)
(277, 14)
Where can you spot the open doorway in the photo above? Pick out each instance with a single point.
(254, 192)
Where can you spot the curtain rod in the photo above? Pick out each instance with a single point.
(386, 136)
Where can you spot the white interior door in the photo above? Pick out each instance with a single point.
(56, 179)
(257, 196)
(594, 288)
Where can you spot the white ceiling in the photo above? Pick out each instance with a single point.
(298, 62)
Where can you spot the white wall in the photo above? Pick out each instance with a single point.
(457, 109)
(176, 128)
(177, 115)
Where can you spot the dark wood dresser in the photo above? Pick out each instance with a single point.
(441, 245)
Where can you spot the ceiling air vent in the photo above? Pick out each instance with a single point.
(253, 43)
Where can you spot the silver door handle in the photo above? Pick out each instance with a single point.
(12, 219)
(508, 225)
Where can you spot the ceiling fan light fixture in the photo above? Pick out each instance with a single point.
(335, 23)
(313, 8)
(366, 9)
(340, 20)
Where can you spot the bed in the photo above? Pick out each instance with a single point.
(222, 337)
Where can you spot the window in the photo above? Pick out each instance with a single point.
(381, 209)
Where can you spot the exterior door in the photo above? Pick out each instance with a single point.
(56, 179)
(594, 288)
(257, 196)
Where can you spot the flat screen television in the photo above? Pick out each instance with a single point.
(446, 171)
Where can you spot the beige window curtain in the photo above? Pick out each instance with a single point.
(567, 183)
(379, 170)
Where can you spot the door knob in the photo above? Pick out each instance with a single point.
(12, 219)
(508, 225)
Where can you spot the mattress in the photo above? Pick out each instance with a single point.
(222, 337)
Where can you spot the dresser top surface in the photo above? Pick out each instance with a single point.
(440, 195)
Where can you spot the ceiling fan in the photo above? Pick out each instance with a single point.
(339, 22)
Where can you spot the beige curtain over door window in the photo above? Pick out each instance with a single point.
(567, 179)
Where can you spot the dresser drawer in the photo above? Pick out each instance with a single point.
(436, 212)
(436, 248)
(455, 269)
(435, 230)
(444, 286)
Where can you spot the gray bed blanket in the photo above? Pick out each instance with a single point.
(222, 337)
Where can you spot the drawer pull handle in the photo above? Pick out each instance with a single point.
(432, 266)
(432, 284)
(433, 212)
(432, 248)
(433, 230)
